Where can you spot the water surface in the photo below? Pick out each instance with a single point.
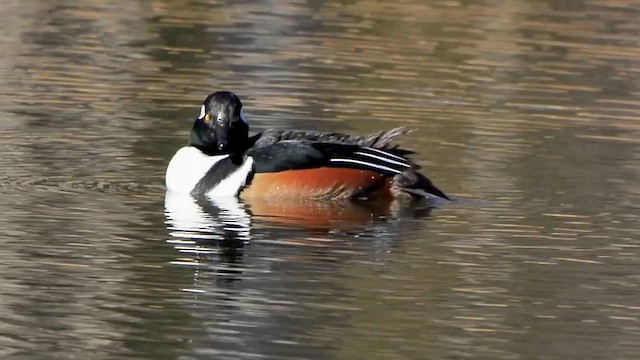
(525, 111)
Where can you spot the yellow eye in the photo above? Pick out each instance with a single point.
(207, 117)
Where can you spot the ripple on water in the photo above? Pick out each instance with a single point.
(62, 184)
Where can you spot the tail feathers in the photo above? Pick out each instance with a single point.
(416, 185)
(382, 139)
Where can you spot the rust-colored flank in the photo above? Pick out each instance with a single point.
(320, 183)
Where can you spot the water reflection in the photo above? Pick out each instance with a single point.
(202, 227)
(214, 233)
(202, 230)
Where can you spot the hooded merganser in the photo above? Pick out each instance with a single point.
(222, 160)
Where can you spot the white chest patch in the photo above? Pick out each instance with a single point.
(189, 165)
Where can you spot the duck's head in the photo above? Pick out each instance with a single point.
(221, 127)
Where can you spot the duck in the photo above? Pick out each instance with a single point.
(222, 160)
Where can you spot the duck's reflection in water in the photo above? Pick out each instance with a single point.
(205, 231)
(216, 232)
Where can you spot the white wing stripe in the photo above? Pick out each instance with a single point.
(386, 153)
(383, 159)
(380, 167)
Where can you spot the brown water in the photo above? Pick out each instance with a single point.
(528, 112)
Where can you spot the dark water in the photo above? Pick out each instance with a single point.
(526, 111)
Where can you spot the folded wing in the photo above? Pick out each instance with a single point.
(296, 155)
